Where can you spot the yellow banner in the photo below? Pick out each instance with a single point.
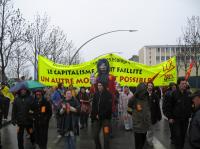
(126, 72)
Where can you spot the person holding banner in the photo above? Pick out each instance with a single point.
(101, 115)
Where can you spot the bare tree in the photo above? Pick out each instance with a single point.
(50, 42)
(19, 61)
(191, 37)
(11, 32)
(191, 42)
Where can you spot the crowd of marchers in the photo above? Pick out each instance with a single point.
(139, 109)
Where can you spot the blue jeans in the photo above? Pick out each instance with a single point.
(70, 142)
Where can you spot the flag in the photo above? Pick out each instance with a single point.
(189, 70)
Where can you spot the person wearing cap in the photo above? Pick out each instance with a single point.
(22, 115)
(43, 114)
(179, 108)
(194, 129)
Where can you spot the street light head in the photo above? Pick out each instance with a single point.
(132, 30)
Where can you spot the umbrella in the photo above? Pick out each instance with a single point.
(30, 84)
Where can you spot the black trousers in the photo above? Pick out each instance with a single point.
(6, 105)
(180, 129)
(41, 134)
(171, 132)
(20, 135)
(84, 119)
(140, 139)
(96, 128)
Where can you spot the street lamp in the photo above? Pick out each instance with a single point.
(95, 38)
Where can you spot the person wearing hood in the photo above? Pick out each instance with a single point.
(140, 109)
(194, 129)
(125, 96)
(22, 115)
(43, 114)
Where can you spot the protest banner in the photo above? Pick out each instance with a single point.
(126, 72)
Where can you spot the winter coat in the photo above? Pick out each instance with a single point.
(84, 102)
(155, 108)
(141, 110)
(102, 106)
(70, 121)
(43, 114)
(167, 97)
(194, 130)
(123, 102)
(23, 110)
(179, 106)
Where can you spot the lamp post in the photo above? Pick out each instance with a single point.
(95, 38)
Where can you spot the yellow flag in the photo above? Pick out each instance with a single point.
(7, 93)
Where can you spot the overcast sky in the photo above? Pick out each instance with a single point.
(158, 21)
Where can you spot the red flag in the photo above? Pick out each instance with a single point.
(189, 70)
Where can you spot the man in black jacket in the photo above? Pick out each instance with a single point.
(155, 111)
(101, 115)
(194, 130)
(43, 112)
(178, 112)
(167, 96)
(22, 115)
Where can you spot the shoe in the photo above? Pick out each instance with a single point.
(59, 136)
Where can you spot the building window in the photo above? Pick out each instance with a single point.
(177, 50)
(158, 50)
(150, 57)
(173, 51)
(163, 58)
(157, 58)
(168, 57)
